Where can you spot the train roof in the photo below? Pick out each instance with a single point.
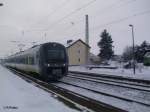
(46, 44)
(35, 46)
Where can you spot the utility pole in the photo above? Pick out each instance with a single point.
(87, 37)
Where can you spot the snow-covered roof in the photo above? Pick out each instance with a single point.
(147, 54)
(74, 42)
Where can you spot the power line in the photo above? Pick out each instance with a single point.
(111, 6)
(114, 5)
(125, 18)
(66, 16)
(78, 9)
(105, 9)
(101, 10)
(116, 21)
(71, 13)
(54, 11)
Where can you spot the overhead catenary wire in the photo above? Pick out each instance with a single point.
(114, 5)
(116, 21)
(64, 17)
(76, 22)
(69, 14)
(113, 22)
(80, 8)
(103, 25)
(62, 5)
(89, 3)
(108, 24)
(124, 18)
(75, 11)
(104, 10)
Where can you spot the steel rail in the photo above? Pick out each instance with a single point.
(74, 98)
(110, 95)
(114, 83)
(140, 82)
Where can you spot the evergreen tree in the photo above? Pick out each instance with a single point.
(127, 53)
(141, 51)
(105, 45)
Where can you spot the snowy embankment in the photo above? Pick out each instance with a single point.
(141, 72)
(17, 95)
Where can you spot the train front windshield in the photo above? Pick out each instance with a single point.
(56, 55)
(56, 60)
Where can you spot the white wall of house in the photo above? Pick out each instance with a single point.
(77, 53)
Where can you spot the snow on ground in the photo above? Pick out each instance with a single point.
(129, 107)
(142, 72)
(16, 95)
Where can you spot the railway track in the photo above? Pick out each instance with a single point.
(107, 81)
(120, 97)
(117, 79)
(75, 100)
(84, 82)
(113, 98)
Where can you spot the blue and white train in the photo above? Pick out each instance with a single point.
(48, 60)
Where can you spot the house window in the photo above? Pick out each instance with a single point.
(79, 51)
(79, 59)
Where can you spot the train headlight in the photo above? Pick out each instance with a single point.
(64, 64)
(48, 65)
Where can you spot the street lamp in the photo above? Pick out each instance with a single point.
(133, 47)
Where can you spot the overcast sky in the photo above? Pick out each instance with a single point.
(40, 21)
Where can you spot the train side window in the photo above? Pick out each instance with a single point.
(19, 61)
(30, 60)
(33, 61)
(37, 55)
(26, 60)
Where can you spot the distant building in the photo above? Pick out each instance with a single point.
(117, 58)
(94, 59)
(78, 51)
(147, 54)
(147, 59)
